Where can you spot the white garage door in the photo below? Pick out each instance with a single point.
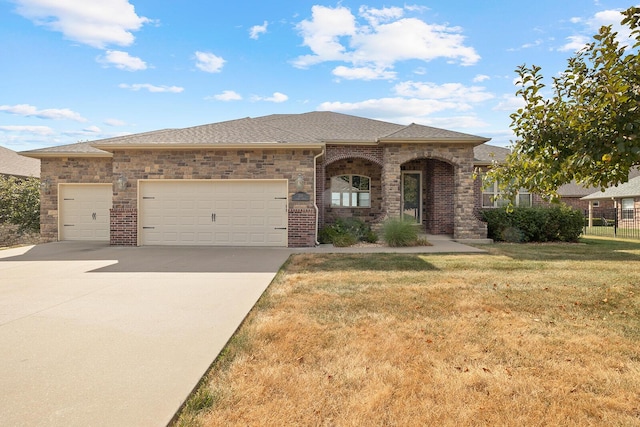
(84, 211)
(213, 213)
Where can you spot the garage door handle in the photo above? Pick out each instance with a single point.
(93, 216)
(148, 228)
(280, 228)
(213, 217)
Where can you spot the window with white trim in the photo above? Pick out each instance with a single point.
(627, 208)
(491, 198)
(351, 191)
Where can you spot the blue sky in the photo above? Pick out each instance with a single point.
(78, 70)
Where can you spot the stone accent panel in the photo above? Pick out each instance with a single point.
(301, 228)
(124, 227)
(460, 157)
(373, 153)
(67, 170)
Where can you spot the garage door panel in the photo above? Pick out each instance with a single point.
(84, 211)
(225, 213)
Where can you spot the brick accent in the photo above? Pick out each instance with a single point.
(301, 228)
(373, 153)
(124, 227)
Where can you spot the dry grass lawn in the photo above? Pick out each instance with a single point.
(526, 335)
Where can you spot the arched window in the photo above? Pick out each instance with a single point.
(351, 191)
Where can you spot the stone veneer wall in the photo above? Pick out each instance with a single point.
(215, 164)
(67, 170)
(465, 224)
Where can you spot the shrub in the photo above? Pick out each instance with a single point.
(558, 223)
(347, 232)
(20, 202)
(398, 232)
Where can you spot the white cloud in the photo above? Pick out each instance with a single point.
(363, 73)
(151, 88)
(114, 122)
(509, 102)
(452, 92)
(390, 107)
(376, 16)
(227, 95)
(122, 60)
(256, 30)
(334, 34)
(27, 110)
(277, 97)
(36, 130)
(479, 78)
(96, 24)
(208, 62)
(574, 43)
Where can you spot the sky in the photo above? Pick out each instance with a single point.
(78, 70)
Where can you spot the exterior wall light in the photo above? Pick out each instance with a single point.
(45, 185)
(121, 182)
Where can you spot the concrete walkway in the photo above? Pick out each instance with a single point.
(93, 335)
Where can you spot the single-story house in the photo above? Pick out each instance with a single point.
(13, 164)
(264, 181)
(625, 198)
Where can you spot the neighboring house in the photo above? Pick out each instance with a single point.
(265, 181)
(624, 197)
(13, 164)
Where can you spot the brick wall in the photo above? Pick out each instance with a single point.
(124, 223)
(301, 228)
(67, 170)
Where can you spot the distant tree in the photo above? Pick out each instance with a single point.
(588, 131)
(20, 202)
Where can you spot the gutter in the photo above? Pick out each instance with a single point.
(315, 190)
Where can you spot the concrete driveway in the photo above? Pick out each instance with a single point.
(98, 335)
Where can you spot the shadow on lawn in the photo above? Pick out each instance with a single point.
(370, 262)
(588, 249)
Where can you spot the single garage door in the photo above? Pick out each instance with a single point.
(84, 211)
(213, 212)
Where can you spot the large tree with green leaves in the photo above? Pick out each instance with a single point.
(587, 129)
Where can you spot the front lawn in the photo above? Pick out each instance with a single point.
(535, 335)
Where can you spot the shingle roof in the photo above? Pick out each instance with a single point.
(486, 154)
(630, 188)
(314, 128)
(11, 163)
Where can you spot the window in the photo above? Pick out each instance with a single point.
(490, 198)
(627, 208)
(351, 191)
(595, 204)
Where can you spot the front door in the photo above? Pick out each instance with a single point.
(412, 196)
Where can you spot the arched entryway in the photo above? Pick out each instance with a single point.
(428, 194)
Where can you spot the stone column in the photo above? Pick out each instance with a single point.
(466, 225)
(391, 181)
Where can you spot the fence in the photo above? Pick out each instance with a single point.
(614, 222)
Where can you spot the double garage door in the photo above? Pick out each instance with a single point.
(180, 212)
(213, 213)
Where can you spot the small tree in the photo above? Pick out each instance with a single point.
(588, 131)
(20, 202)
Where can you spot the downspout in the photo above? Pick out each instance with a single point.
(315, 190)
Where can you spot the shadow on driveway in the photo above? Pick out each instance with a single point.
(191, 259)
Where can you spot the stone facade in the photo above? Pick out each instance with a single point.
(449, 194)
(67, 170)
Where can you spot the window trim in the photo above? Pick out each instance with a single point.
(497, 202)
(350, 192)
(627, 213)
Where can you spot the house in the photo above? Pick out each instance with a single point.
(264, 181)
(625, 199)
(13, 164)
